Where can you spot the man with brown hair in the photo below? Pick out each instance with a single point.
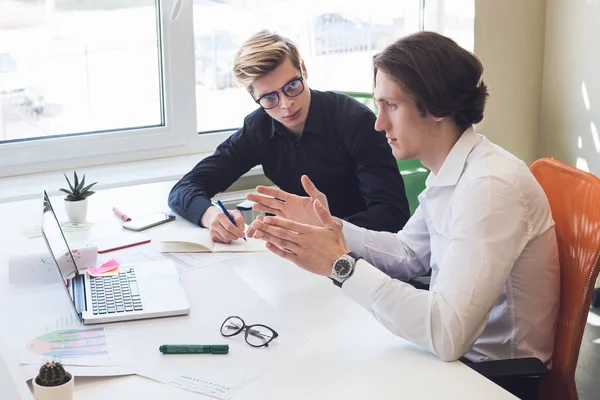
(297, 131)
(484, 225)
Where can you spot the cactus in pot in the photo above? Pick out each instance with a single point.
(52, 374)
(53, 383)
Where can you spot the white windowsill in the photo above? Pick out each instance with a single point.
(22, 187)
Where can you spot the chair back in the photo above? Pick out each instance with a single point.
(574, 197)
(414, 174)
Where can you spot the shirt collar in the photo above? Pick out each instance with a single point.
(455, 161)
(315, 122)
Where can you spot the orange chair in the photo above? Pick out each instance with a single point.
(574, 197)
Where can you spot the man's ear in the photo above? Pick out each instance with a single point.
(437, 119)
(303, 68)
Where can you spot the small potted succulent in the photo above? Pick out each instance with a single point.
(76, 198)
(53, 383)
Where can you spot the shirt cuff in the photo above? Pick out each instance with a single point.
(355, 237)
(197, 208)
(364, 283)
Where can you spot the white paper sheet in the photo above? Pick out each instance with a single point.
(187, 262)
(32, 269)
(184, 262)
(215, 294)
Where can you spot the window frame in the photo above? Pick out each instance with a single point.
(177, 136)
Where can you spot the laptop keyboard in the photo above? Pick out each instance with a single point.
(115, 294)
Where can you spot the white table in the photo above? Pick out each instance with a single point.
(348, 355)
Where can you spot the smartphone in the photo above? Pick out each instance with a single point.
(148, 221)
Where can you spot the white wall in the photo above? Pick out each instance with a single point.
(509, 41)
(569, 123)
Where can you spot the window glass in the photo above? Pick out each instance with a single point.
(336, 39)
(78, 66)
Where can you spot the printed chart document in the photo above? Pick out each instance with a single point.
(44, 326)
(197, 240)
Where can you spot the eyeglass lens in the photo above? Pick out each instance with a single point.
(292, 89)
(258, 335)
(232, 326)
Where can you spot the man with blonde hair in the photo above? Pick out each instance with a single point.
(297, 131)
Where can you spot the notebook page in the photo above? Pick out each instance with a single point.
(186, 240)
(240, 246)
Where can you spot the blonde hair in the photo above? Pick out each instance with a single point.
(262, 53)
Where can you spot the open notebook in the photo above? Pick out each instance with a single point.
(197, 240)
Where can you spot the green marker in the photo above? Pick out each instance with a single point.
(194, 349)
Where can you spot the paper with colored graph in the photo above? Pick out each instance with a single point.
(97, 346)
(43, 326)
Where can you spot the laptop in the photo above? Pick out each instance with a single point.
(144, 290)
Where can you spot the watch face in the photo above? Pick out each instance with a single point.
(342, 268)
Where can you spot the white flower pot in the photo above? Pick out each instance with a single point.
(62, 392)
(76, 210)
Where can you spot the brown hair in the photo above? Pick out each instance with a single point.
(262, 53)
(444, 79)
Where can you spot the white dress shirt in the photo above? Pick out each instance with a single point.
(485, 228)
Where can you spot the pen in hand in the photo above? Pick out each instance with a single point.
(222, 207)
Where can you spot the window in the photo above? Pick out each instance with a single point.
(83, 80)
(80, 69)
(336, 40)
(86, 81)
(453, 18)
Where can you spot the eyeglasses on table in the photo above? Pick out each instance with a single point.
(256, 335)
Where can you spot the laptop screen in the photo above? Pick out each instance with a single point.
(57, 244)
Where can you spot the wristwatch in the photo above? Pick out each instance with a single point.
(343, 268)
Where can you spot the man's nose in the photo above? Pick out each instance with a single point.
(285, 101)
(380, 122)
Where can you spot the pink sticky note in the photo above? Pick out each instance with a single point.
(106, 269)
(108, 273)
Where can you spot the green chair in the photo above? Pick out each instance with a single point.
(414, 175)
(412, 171)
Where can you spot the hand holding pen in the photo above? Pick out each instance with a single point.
(220, 226)
(227, 214)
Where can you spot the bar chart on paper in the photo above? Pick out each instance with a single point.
(96, 346)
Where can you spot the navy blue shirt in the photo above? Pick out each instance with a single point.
(339, 150)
